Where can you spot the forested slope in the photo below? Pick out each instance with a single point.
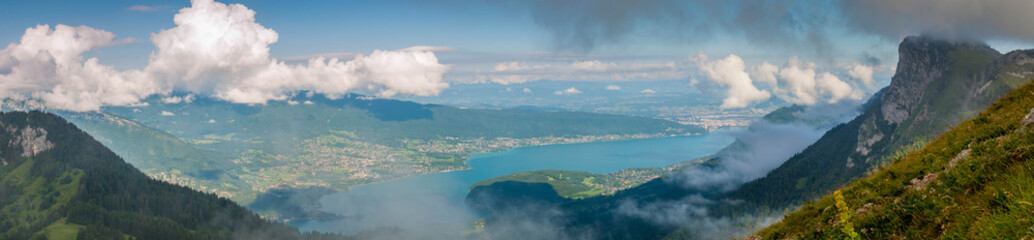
(57, 182)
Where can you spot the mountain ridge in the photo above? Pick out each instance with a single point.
(56, 181)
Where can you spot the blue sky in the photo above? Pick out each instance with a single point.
(753, 51)
(364, 26)
(304, 29)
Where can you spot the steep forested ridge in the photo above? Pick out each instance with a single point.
(57, 182)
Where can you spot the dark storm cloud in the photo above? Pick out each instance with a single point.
(582, 25)
(585, 24)
(981, 20)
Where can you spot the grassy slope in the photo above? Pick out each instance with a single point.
(36, 200)
(985, 194)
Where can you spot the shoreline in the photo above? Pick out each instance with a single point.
(475, 156)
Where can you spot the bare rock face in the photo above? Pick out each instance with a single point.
(922, 60)
(31, 140)
(868, 134)
(925, 70)
(1027, 121)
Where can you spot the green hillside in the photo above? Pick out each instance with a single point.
(975, 181)
(159, 154)
(143, 147)
(57, 182)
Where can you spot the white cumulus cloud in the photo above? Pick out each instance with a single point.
(177, 99)
(765, 73)
(47, 65)
(167, 113)
(219, 49)
(863, 73)
(613, 87)
(799, 78)
(215, 49)
(802, 84)
(797, 81)
(731, 72)
(837, 90)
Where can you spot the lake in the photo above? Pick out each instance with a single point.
(435, 201)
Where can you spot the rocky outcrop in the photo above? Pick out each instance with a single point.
(31, 140)
(922, 60)
(1027, 120)
(937, 84)
(868, 134)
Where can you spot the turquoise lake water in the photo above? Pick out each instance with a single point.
(435, 201)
